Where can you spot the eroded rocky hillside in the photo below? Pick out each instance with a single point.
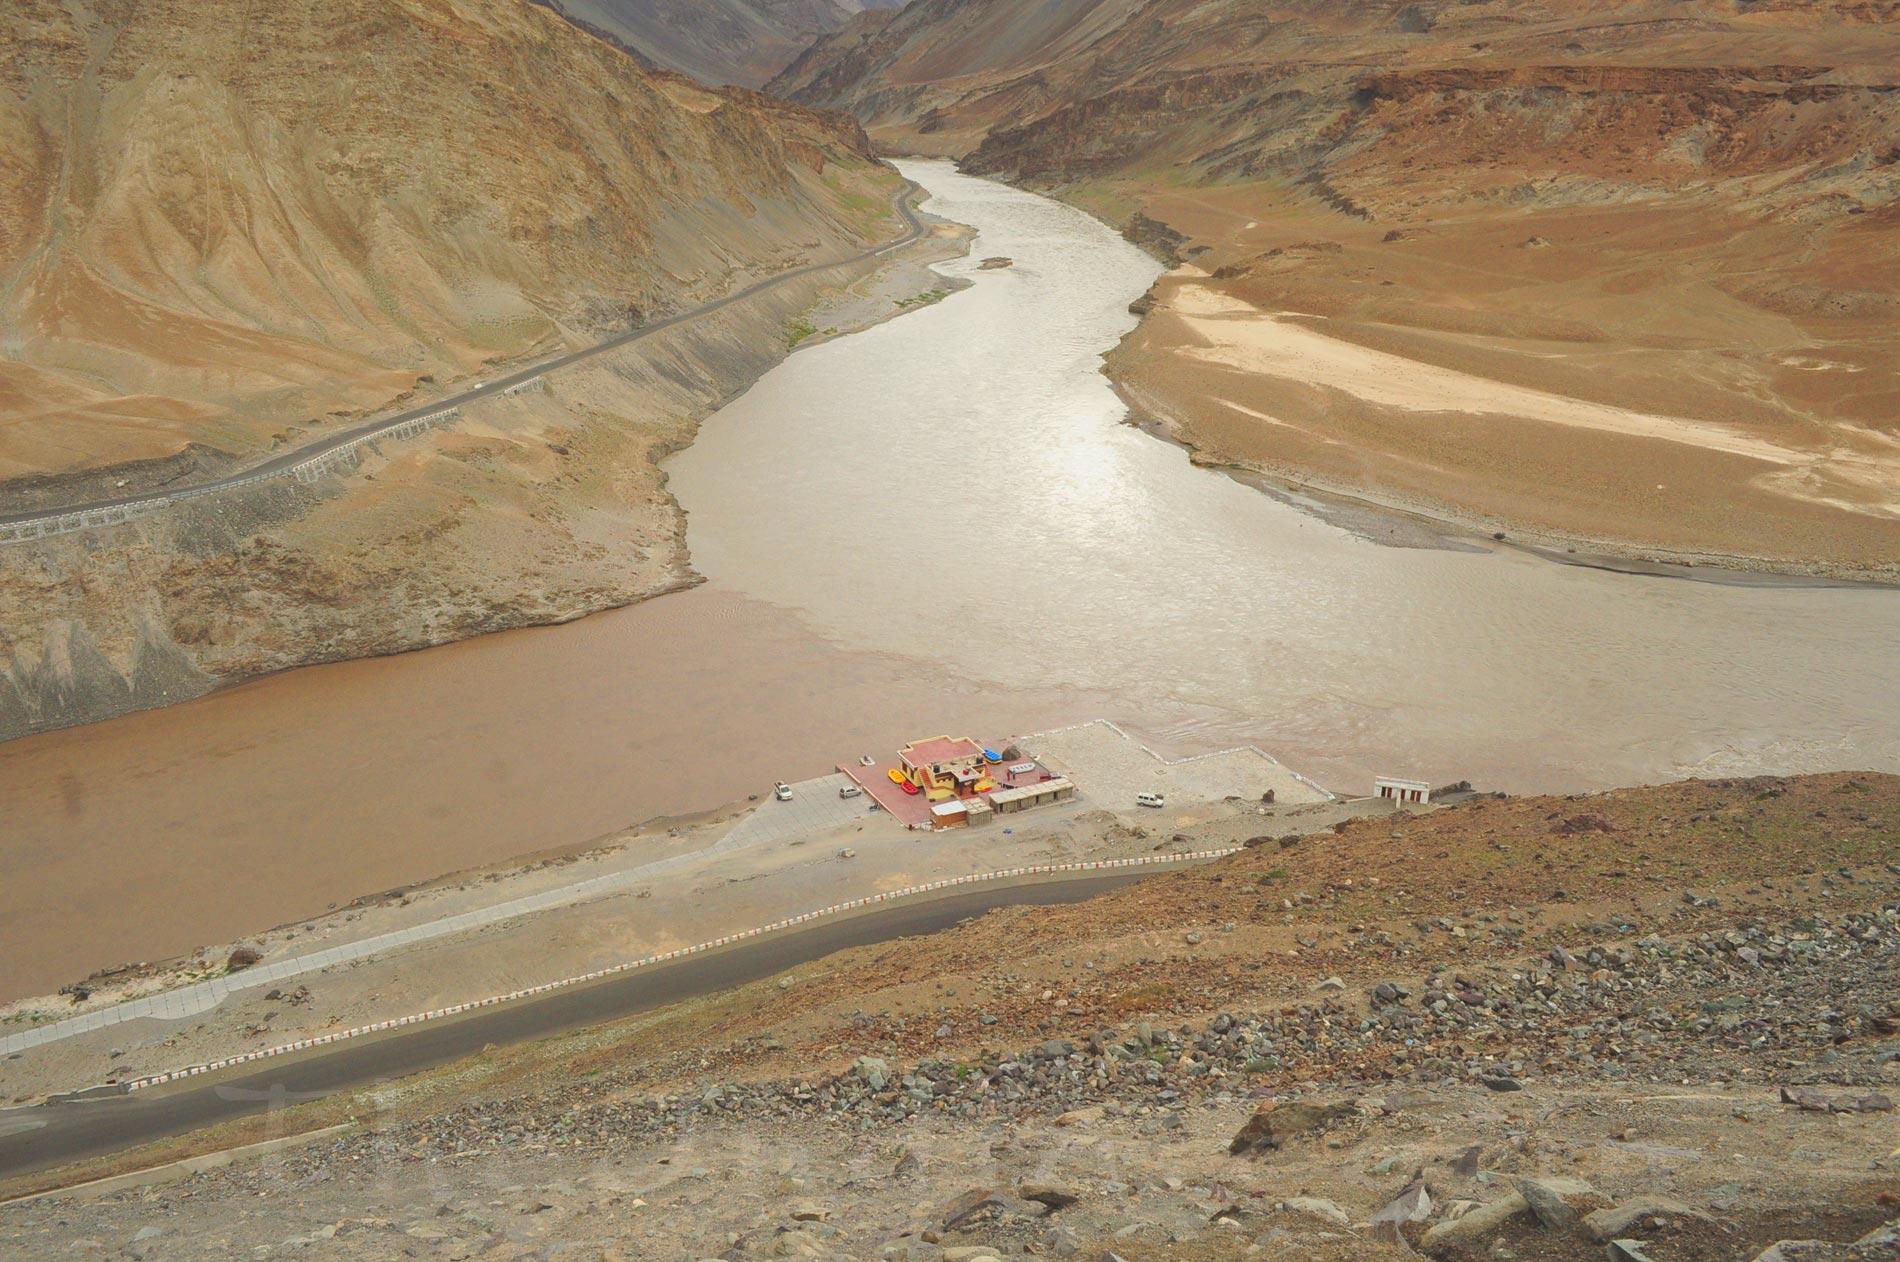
(233, 220)
(228, 228)
(1683, 212)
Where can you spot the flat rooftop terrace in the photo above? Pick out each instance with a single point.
(915, 809)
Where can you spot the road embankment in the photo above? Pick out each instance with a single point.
(538, 500)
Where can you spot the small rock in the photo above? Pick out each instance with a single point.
(873, 1071)
(1475, 1225)
(981, 1205)
(1060, 1241)
(1413, 1205)
(1315, 1207)
(1048, 1195)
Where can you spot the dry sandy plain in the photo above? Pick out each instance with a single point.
(1582, 378)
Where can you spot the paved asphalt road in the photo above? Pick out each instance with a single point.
(316, 447)
(55, 1134)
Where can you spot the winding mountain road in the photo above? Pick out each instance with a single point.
(50, 1135)
(283, 461)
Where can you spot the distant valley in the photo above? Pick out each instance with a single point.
(1642, 254)
(742, 42)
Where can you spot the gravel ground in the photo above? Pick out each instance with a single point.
(1706, 1068)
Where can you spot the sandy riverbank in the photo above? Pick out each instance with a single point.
(723, 870)
(276, 799)
(1521, 372)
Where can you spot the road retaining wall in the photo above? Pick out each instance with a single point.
(305, 471)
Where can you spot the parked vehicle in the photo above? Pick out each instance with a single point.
(849, 790)
(1150, 799)
(782, 791)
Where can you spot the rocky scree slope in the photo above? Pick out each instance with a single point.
(1534, 1026)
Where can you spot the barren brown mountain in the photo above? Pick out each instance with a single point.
(1612, 271)
(229, 226)
(716, 41)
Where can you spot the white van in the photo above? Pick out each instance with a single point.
(1150, 799)
(782, 791)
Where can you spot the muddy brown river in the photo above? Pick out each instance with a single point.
(939, 524)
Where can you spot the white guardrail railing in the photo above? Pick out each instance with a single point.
(303, 471)
(647, 961)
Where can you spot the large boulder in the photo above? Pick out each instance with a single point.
(1490, 1218)
(1274, 1123)
(1605, 1225)
(981, 1206)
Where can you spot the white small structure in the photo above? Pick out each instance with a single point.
(1405, 792)
(1054, 789)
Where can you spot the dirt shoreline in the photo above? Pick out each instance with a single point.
(533, 510)
(1651, 559)
(773, 867)
(1360, 512)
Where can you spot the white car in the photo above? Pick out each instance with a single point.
(1150, 799)
(849, 790)
(782, 791)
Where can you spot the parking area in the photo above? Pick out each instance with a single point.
(815, 808)
(1109, 767)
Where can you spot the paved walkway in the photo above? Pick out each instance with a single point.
(1109, 766)
(815, 807)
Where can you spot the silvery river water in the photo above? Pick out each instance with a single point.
(959, 485)
(938, 524)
